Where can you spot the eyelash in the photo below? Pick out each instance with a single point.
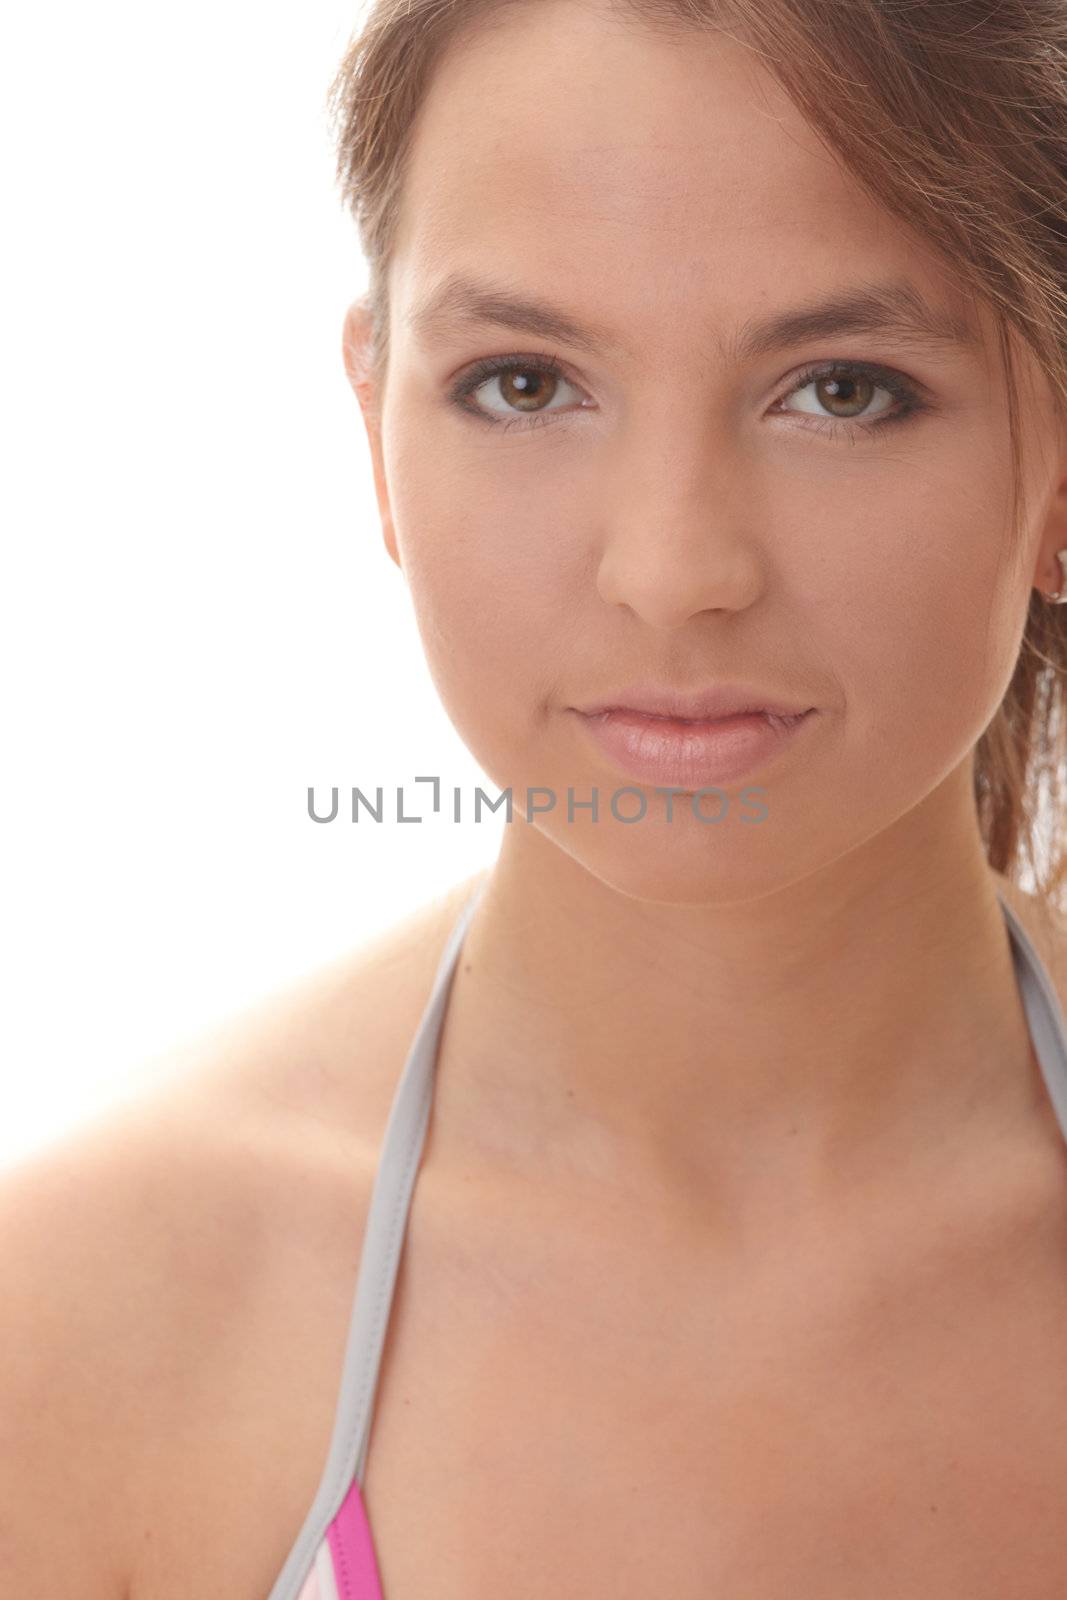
(910, 402)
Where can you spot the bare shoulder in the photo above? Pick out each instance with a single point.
(224, 1196)
(111, 1240)
(68, 1237)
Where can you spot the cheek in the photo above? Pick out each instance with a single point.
(925, 641)
(494, 580)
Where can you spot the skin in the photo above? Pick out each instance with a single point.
(751, 1017)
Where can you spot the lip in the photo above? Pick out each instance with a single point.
(708, 704)
(692, 754)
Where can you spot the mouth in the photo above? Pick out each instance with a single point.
(694, 752)
(635, 714)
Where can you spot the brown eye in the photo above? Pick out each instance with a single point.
(503, 389)
(843, 392)
(526, 388)
(843, 395)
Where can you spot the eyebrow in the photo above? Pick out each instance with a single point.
(896, 309)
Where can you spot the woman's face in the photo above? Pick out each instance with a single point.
(673, 507)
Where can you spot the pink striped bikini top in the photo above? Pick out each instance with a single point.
(333, 1556)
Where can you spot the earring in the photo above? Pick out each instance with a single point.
(1059, 597)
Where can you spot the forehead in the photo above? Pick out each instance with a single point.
(573, 108)
(615, 166)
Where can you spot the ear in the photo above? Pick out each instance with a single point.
(357, 351)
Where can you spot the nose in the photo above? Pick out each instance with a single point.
(672, 553)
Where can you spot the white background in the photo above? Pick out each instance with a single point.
(198, 617)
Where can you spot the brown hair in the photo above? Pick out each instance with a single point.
(954, 118)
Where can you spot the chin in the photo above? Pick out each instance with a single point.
(689, 864)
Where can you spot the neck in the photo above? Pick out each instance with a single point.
(857, 1021)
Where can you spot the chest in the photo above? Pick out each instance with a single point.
(909, 1438)
(611, 1420)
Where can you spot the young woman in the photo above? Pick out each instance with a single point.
(714, 368)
